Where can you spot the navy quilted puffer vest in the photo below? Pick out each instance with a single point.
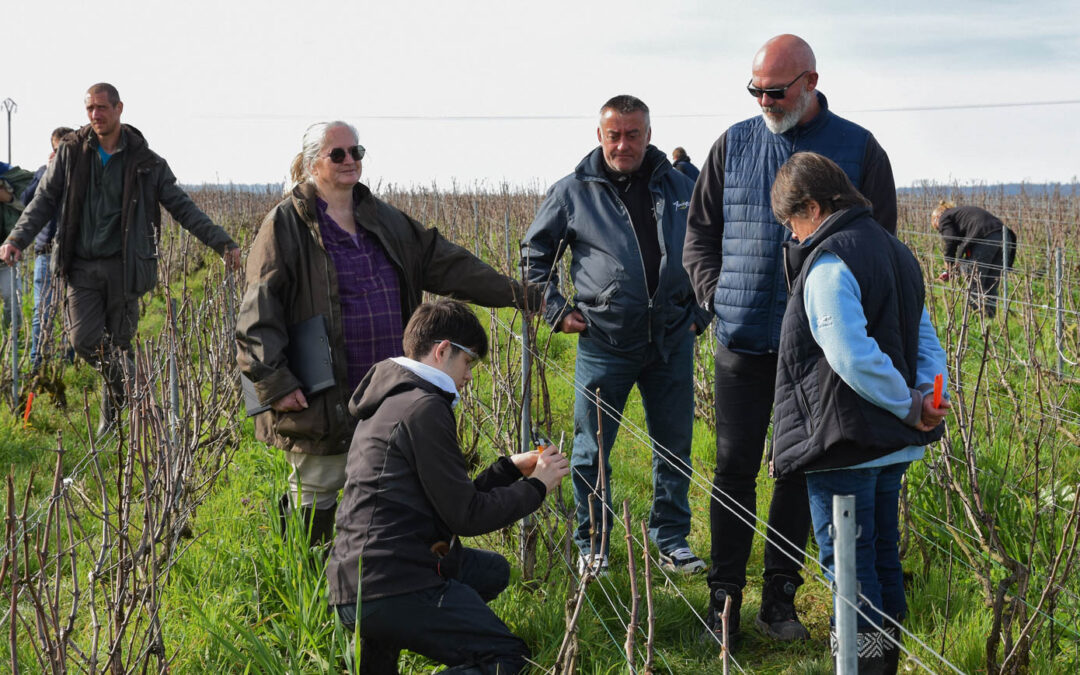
(751, 292)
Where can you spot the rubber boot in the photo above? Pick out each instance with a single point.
(108, 414)
(318, 523)
(714, 633)
(871, 653)
(893, 640)
(283, 515)
(113, 394)
(777, 617)
(322, 524)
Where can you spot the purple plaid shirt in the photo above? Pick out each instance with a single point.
(369, 293)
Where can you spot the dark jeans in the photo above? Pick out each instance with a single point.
(450, 623)
(877, 551)
(988, 259)
(743, 388)
(9, 294)
(667, 394)
(45, 303)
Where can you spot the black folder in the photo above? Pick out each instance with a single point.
(308, 356)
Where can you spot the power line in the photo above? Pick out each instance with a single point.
(969, 106)
(467, 117)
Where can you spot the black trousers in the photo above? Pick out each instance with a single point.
(743, 388)
(450, 623)
(988, 260)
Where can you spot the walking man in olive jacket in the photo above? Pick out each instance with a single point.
(106, 185)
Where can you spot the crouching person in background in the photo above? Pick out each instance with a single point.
(974, 242)
(408, 499)
(857, 360)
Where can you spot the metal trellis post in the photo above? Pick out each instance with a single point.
(11, 107)
(13, 308)
(476, 224)
(1005, 273)
(844, 602)
(1059, 303)
(506, 232)
(527, 534)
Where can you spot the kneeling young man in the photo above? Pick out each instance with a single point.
(408, 498)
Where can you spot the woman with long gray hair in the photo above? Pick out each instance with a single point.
(334, 250)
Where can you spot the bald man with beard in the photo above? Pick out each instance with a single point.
(734, 255)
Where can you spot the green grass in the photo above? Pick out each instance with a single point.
(243, 599)
(240, 599)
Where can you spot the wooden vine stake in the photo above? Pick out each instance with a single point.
(635, 598)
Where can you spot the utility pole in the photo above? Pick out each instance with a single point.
(10, 106)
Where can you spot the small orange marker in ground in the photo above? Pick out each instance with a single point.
(937, 390)
(29, 404)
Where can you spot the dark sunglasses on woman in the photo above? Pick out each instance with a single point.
(337, 155)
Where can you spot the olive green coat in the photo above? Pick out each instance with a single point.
(291, 278)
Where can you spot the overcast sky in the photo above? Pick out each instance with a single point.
(486, 92)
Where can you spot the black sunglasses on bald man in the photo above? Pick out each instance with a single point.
(773, 92)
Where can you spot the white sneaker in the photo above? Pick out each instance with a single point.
(598, 564)
(681, 560)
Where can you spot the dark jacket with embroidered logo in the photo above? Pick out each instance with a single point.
(820, 422)
(408, 495)
(148, 184)
(583, 212)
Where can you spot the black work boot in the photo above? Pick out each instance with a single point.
(777, 617)
(714, 633)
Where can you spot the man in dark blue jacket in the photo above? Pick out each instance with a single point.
(622, 214)
(44, 298)
(681, 161)
(734, 255)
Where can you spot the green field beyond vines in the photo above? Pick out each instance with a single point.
(156, 549)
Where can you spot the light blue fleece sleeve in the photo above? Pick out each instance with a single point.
(931, 358)
(833, 303)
